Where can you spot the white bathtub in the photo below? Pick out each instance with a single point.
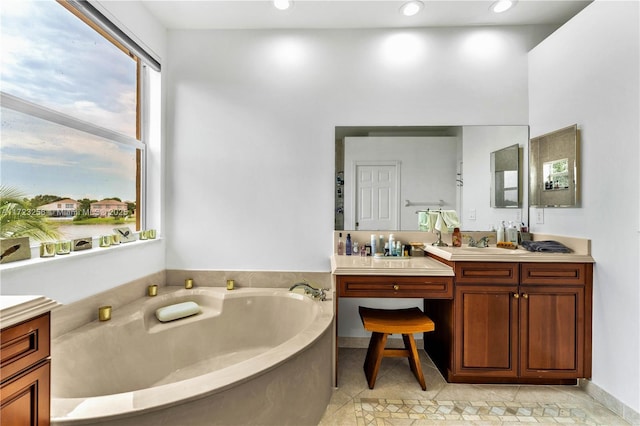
(252, 356)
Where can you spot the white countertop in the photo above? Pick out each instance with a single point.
(16, 309)
(408, 266)
(496, 254)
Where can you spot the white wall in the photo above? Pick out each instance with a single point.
(587, 73)
(73, 278)
(252, 117)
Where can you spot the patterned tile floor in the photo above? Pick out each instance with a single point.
(398, 400)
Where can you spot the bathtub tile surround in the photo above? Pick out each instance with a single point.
(398, 400)
(254, 279)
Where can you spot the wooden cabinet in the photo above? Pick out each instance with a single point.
(517, 322)
(25, 373)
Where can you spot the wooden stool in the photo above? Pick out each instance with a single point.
(382, 322)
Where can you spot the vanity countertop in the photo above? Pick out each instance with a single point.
(15, 309)
(368, 265)
(496, 254)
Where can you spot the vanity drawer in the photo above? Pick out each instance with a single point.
(23, 345)
(554, 273)
(486, 273)
(394, 286)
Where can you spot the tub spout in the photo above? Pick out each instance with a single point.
(315, 293)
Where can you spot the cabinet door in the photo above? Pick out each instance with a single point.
(25, 398)
(486, 333)
(552, 327)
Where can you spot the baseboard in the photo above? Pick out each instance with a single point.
(610, 401)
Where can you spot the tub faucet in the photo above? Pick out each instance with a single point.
(315, 293)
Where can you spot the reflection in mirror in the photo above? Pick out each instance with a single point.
(405, 169)
(553, 169)
(386, 174)
(505, 177)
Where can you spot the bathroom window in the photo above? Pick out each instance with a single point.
(75, 120)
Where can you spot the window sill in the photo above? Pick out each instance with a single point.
(74, 255)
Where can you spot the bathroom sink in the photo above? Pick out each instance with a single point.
(487, 250)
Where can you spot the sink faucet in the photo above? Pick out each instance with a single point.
(315, 293)
(482, 242)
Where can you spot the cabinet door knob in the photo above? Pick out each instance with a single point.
(516, 295)
(396, 287)
(525, 295)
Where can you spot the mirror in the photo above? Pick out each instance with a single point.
(505, 177)
(554, 169)
(421, 168)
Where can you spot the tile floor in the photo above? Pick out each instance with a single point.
(398, 400)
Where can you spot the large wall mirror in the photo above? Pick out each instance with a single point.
(386, 174)
(554, 169)
(505, 177)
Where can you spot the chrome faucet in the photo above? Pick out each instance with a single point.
(314, 293)
(482, 242)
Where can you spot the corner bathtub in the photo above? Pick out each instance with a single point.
(252, 356)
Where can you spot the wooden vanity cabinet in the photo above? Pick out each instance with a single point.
(518, 323)
(25, 373)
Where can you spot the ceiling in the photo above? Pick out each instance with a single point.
(335, 14)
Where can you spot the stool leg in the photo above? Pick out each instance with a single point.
(374, 357)
(414, 359)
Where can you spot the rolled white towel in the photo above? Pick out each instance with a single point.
(177, 311)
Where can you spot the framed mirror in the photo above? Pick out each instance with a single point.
(505, 177)
(554, 169)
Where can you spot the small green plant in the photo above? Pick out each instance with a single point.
(19, 219)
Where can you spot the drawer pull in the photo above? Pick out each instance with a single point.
(396, 287)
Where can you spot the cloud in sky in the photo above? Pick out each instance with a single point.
(50, 57)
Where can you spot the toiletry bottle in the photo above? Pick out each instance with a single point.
(348, 246)
(380, 246)
(512, 234)
(340, 245)
(456, 238)
(356, 248)
(373, 244)
(500, 236)
(392, 245)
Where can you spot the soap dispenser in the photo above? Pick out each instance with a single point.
(340, 245)
(512, 234)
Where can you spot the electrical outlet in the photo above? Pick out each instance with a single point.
(540, 216)
(472, 214)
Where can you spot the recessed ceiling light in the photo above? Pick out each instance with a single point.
(282, 4)
(411, 8)
(502, 5)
